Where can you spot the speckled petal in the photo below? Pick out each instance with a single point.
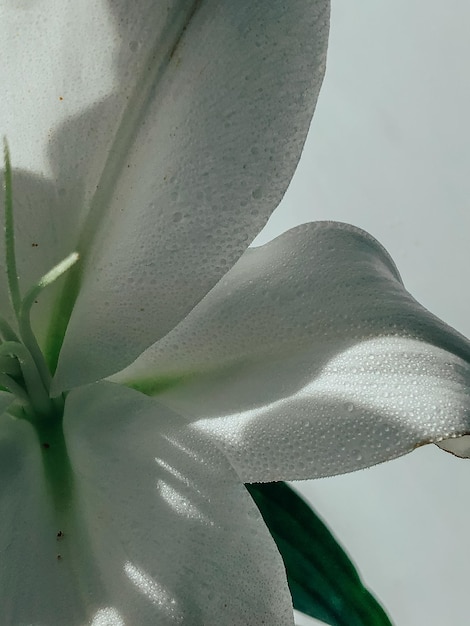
(158, 530)
(311, 359)
(215, 124)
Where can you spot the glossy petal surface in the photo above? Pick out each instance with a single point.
(211, 113)
(310, 358)
(156, 515)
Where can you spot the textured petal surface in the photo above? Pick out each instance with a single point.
(219, 102)
(311, 359)
(159, 530)
(59, 117)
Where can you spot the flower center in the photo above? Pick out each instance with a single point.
(23, 369)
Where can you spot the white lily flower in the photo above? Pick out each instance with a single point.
(169, 364)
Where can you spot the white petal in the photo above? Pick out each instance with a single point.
(459, 446)
(160, 530)
(310, 359)
(30, 574)
(215, 124)
(59, 117)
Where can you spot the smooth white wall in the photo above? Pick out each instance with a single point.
(389, 150)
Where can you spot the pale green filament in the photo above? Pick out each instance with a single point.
(12, 274)
(6, 331)
(16, 389)
(35, 388)
(24, 371)
(10, 366)
(24, 320)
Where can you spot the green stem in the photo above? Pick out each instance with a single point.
(57, 466)
(24, 317)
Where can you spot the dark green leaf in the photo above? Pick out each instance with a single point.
(323, 581)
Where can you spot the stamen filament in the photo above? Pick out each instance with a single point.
(13, 387)
(6, 331)
(46, 280)
(21, 357)
(34, 385)
(12, 274)
(24, 316)
(10, 366)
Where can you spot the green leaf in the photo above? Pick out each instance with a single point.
(323, 581)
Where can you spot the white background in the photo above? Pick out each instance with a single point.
(389, 150)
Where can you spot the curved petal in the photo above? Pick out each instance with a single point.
(155, 516)
(310, 359)
(81, 68)
(205, 149)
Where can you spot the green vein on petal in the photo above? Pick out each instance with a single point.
(115, 163)
(60, 316)
(155, 386)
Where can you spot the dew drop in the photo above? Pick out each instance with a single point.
(357, 455)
